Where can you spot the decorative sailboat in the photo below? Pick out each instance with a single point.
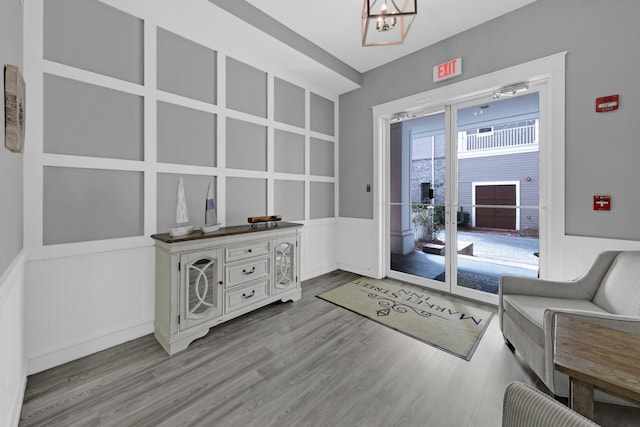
(182, 214)
(210, 215)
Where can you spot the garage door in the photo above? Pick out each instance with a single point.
(496, 195)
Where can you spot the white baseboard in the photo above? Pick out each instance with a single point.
(17, 407)
(12, 356)
(67, 354)
(359, 270)
(318, 272)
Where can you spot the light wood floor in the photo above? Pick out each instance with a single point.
(307, 363)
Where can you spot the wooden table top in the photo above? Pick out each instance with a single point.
(224, 231)
(607, 358)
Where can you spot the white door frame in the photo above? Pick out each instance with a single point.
(545, 75)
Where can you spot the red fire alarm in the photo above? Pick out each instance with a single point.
(607, 103)
(601, 203)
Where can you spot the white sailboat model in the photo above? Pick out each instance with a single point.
(182, 214)
(210, 214)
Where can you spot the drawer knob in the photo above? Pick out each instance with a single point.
(245, 296)
(253, 270)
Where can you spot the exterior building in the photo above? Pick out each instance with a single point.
(504, 158)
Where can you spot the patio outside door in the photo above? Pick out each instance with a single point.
(466, 174)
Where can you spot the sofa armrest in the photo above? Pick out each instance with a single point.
(584, 287)
(525, 406)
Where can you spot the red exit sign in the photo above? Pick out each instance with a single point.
(447, 70)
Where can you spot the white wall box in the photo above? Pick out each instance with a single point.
(205, 279)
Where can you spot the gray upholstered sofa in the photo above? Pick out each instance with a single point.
(525, 406)
(608, 294)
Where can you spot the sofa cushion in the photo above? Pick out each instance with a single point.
(527, 311)
(619, 292)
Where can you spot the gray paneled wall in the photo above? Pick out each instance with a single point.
(94, 37)
(246, 88)
(224, 144)
(322, 162)
(185, 135)
(246, 145)
(322, 203)
(91, 204)
(11, 164)
(87, 120)
(289, 152)
(185, 68)
(289, 105)
(289, 199)
(322, 115)
(245, 197)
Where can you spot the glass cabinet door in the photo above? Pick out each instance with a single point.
(285, 264)
(201, 289)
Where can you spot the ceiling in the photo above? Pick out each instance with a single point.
(335, 25)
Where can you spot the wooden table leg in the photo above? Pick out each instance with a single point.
(581, 397)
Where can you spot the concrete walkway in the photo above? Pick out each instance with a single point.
(493, 255)
(513, 249)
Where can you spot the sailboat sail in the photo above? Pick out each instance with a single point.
(210, 214)
(182, 214)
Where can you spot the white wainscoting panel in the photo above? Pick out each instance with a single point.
(359, 248)
(13, 365)
(80, 304)
(319, 253)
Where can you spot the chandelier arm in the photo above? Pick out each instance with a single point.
(395, 6)
(370, 5)
(402, 12)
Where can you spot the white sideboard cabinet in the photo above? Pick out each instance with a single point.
(205, 279)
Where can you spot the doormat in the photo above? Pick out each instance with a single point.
(472, 280)
(442, 322)
(485, 277)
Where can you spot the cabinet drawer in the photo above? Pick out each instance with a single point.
(240, 252)
(246, 295)
(246, 271)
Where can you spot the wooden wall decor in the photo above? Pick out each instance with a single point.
(14, 109)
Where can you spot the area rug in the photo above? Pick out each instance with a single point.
(442, 322)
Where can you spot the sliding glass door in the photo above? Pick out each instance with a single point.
(417, 194)
(463, 194)
(496, 171)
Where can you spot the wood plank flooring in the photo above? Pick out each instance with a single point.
(308, 363)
